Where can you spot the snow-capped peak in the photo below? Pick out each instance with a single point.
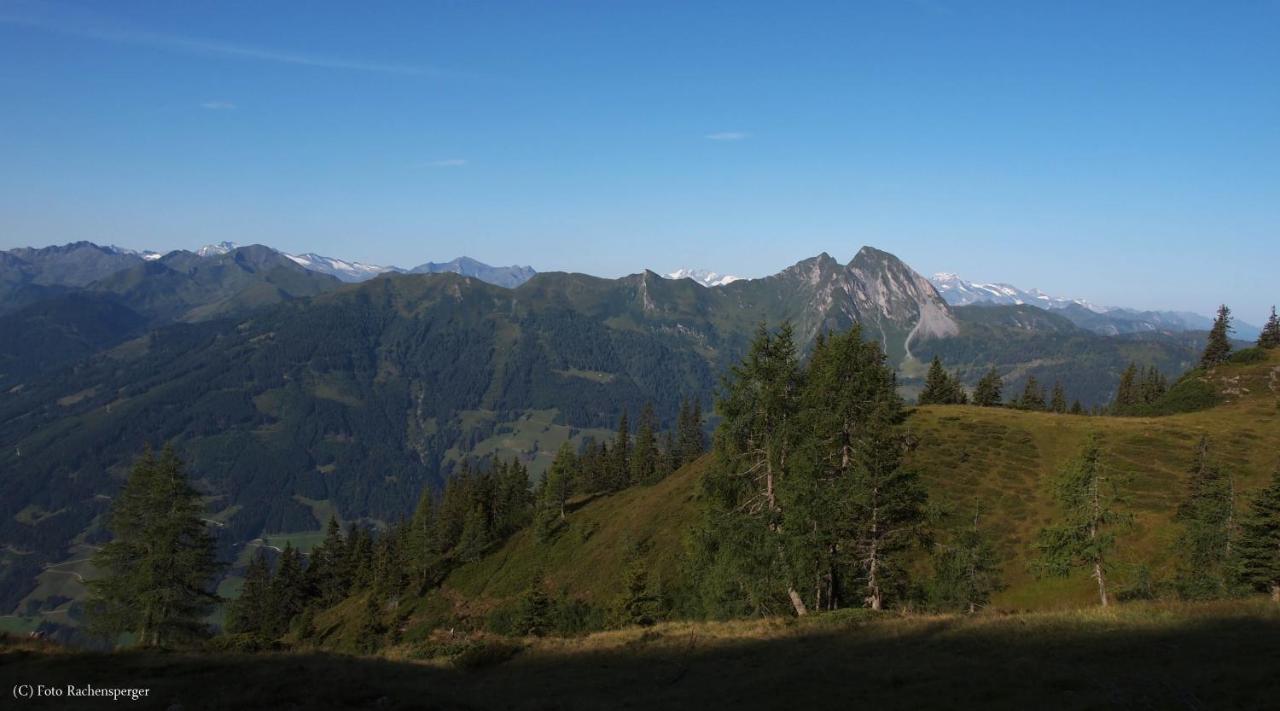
(213, 250)
(704, 277)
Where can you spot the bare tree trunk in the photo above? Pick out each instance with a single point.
(874, 597)
(797, 602)
(1102, 582)
(1275, 592)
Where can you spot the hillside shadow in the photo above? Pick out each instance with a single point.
(1208, 663)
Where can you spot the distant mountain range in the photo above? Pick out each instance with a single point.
(1099, 319)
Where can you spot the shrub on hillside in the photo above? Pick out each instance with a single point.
(1249, 355)
(1191, 393)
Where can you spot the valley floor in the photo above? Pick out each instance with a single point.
(1140, 655)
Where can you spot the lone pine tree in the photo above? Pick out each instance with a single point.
(1219, 345)
(1270, 336)
(160, 564)
(1084, 535)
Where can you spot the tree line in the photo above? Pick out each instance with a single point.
(943, 388)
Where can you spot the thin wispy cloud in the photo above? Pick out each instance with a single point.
(729, 136)
(218, 105)
(44, 17)
(448, 163)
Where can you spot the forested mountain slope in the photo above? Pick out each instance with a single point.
(1002, 461)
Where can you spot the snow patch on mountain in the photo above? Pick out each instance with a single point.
(704, 277)
(959, 292)
(345, 270)
(213, 250)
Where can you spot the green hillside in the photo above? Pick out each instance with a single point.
(1001, 457)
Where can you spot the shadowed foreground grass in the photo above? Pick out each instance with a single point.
(1159, 656)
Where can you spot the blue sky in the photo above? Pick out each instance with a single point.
(1126, 152)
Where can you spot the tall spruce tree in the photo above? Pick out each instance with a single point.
(1218, 348)
(620, 466)
(558, 482)
(1032, 397)
(967, 570)
(251, 612)
(1058, 403)
(422, 546)
(1154, 386)
(740, 548)
(1258, 550)
(288, 592)
(989, 391)
(1204, 545)
(644, 456)
(1085, 534)
(1127, 391)
(1270, 336)
(326, 570)
(938, 389)
(160, 564)
(692, 442)
(857, 509)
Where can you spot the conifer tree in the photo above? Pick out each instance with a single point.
(360, 558)
(942, 388)
(1059, 401)
(670, 454)
(1077, 408)
(422, 547)
(1204, 545)
(988, 392)
(557, 483)
(1154, 386)
(515, 497)
(967, 572)
(288, 593)
(1219, 345)
(388, 567)
(1270, 336)
(475, 537)
(692, 443)
(637, 605)
(938, 389)
(371, 630)
(644, 456)
(851, 509)
(1127, 391)
(533, 612)
(621, 460)
(160, 564)
(741, 540)
(326, 570)
(1085, 535)
(1032, 397)
(251, 612)
(1258, 549)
